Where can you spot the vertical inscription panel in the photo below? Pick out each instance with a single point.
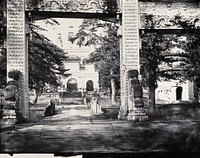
(16, 47)
(15, 35)
(131, 34)
(130, 48)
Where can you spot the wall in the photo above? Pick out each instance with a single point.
(166, 91)
(82, 76)
(163, 12)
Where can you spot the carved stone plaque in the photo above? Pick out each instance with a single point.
(82, 6)
(130, 34)
(164, 13)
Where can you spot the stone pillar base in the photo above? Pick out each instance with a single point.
(9, 117)
(8, 121)
(122, 117)
(137, 115)
(122, 114)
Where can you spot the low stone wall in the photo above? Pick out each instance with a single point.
(176, 111)
(71, 94)
(74, 101)
(111, 112)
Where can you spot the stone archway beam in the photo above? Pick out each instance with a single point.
(171, 31)
(175, 1)
(39, 15)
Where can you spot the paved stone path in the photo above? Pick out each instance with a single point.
(77, 130)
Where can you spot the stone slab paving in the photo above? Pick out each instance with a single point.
(76, 130)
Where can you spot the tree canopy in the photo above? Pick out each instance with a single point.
(191, 45)
(162, 56)
(103, 35)
(107, 57)
(171, 56)
(45, 59)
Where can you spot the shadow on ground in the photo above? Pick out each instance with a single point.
(76, 130)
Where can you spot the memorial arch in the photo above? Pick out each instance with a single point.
(129, 14)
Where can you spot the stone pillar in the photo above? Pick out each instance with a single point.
(136, 103)
(129, 52)
(17, 54)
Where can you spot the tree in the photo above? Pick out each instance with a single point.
(45, 62)
(2, 67)
(193, 69)
(153, 53)
(156, 53)
(150, 59)
(107, 57)
(107, 54)
(110, 6)
(191, 45)
(2, 50)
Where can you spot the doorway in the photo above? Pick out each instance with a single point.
(90, 85)
(179, 91)
(72, 85)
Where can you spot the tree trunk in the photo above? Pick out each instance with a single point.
(36, 96)
(113, 89)
(196, 92)
(152, 98)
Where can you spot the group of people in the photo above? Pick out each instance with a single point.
(92, 98)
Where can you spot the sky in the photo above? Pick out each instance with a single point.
(53, 31)
(63, 29)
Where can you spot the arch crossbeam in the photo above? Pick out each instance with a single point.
(78, 6)
(132, 14)
(39, 15)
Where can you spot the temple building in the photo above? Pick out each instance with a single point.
(84, 76)
(174, 91)
(177, 89)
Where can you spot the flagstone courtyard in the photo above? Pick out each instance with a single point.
(76, 129)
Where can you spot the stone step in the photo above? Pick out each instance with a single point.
(8, 117)
(8, 121)
(8, 112)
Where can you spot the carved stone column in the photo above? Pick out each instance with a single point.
(129, 51)
(17, 52)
